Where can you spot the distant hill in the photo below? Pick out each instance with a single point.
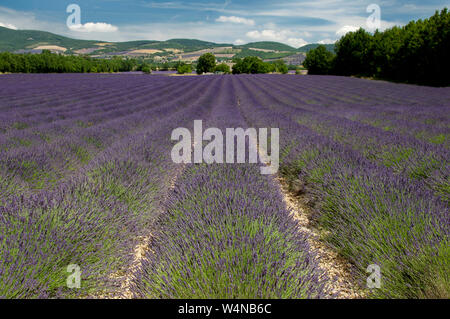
(23, 41)
(12, 40)
(308, 47)
(15, 40)
(269, 45)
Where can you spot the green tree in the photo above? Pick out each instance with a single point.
(280, 66)
(146, 68)
(353, 54)
(206, 63)
(319, 61)
(184, 68)
(223, 67)
(47, 62)
(251, 65)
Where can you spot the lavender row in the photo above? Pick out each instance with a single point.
(85, 104)
(42, 166)
(226, 233)
(372, 216)
(92, 219)
(421, 117)
(421, 161)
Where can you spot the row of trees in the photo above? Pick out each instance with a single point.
(206, 64)
(416, 53)
(184, 68)
(47, 62)
(254, 65)
(251, 65)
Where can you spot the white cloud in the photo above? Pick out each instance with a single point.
(8, 25)
(296, 42)
(306, 34)
(326, 41)
(336, 13)
(239, 42)
(94, 27)
(346, 29)
(233, 19)
(286, 36)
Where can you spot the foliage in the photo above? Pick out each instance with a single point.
(47, 62)
(279, 66)
(416, 53)
(251, 65)
(146, 68)
(206, 63)
(311, 46)
(353, 55)
(223, 67)
(319, 61)
(184, 68)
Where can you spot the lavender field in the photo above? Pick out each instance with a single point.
(87, 179)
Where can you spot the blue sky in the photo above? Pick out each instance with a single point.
(292, 22)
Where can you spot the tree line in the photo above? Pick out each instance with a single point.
(47, 62)
(250, 65)
(416, 53)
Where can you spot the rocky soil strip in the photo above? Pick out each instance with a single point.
(342, 284)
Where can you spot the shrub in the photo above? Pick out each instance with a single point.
(184, 68)
(280, 66)
(223, 68)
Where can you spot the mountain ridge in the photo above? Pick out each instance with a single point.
(34, 41)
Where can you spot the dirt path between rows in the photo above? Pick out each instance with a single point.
(341, 284)
(142, 249)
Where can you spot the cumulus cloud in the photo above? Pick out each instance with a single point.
(233, 19)
(346, 29)
(239, 42)
(94, 27)
(296, 42)
(8, 25)
(285, 36)
(326, 41)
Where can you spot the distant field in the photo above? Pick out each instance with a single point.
(86, 178)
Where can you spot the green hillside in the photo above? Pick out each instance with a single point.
(23, 40)
(308, 47)
(12, 40)
(268, 45)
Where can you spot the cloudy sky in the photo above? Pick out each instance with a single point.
(292, 22)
